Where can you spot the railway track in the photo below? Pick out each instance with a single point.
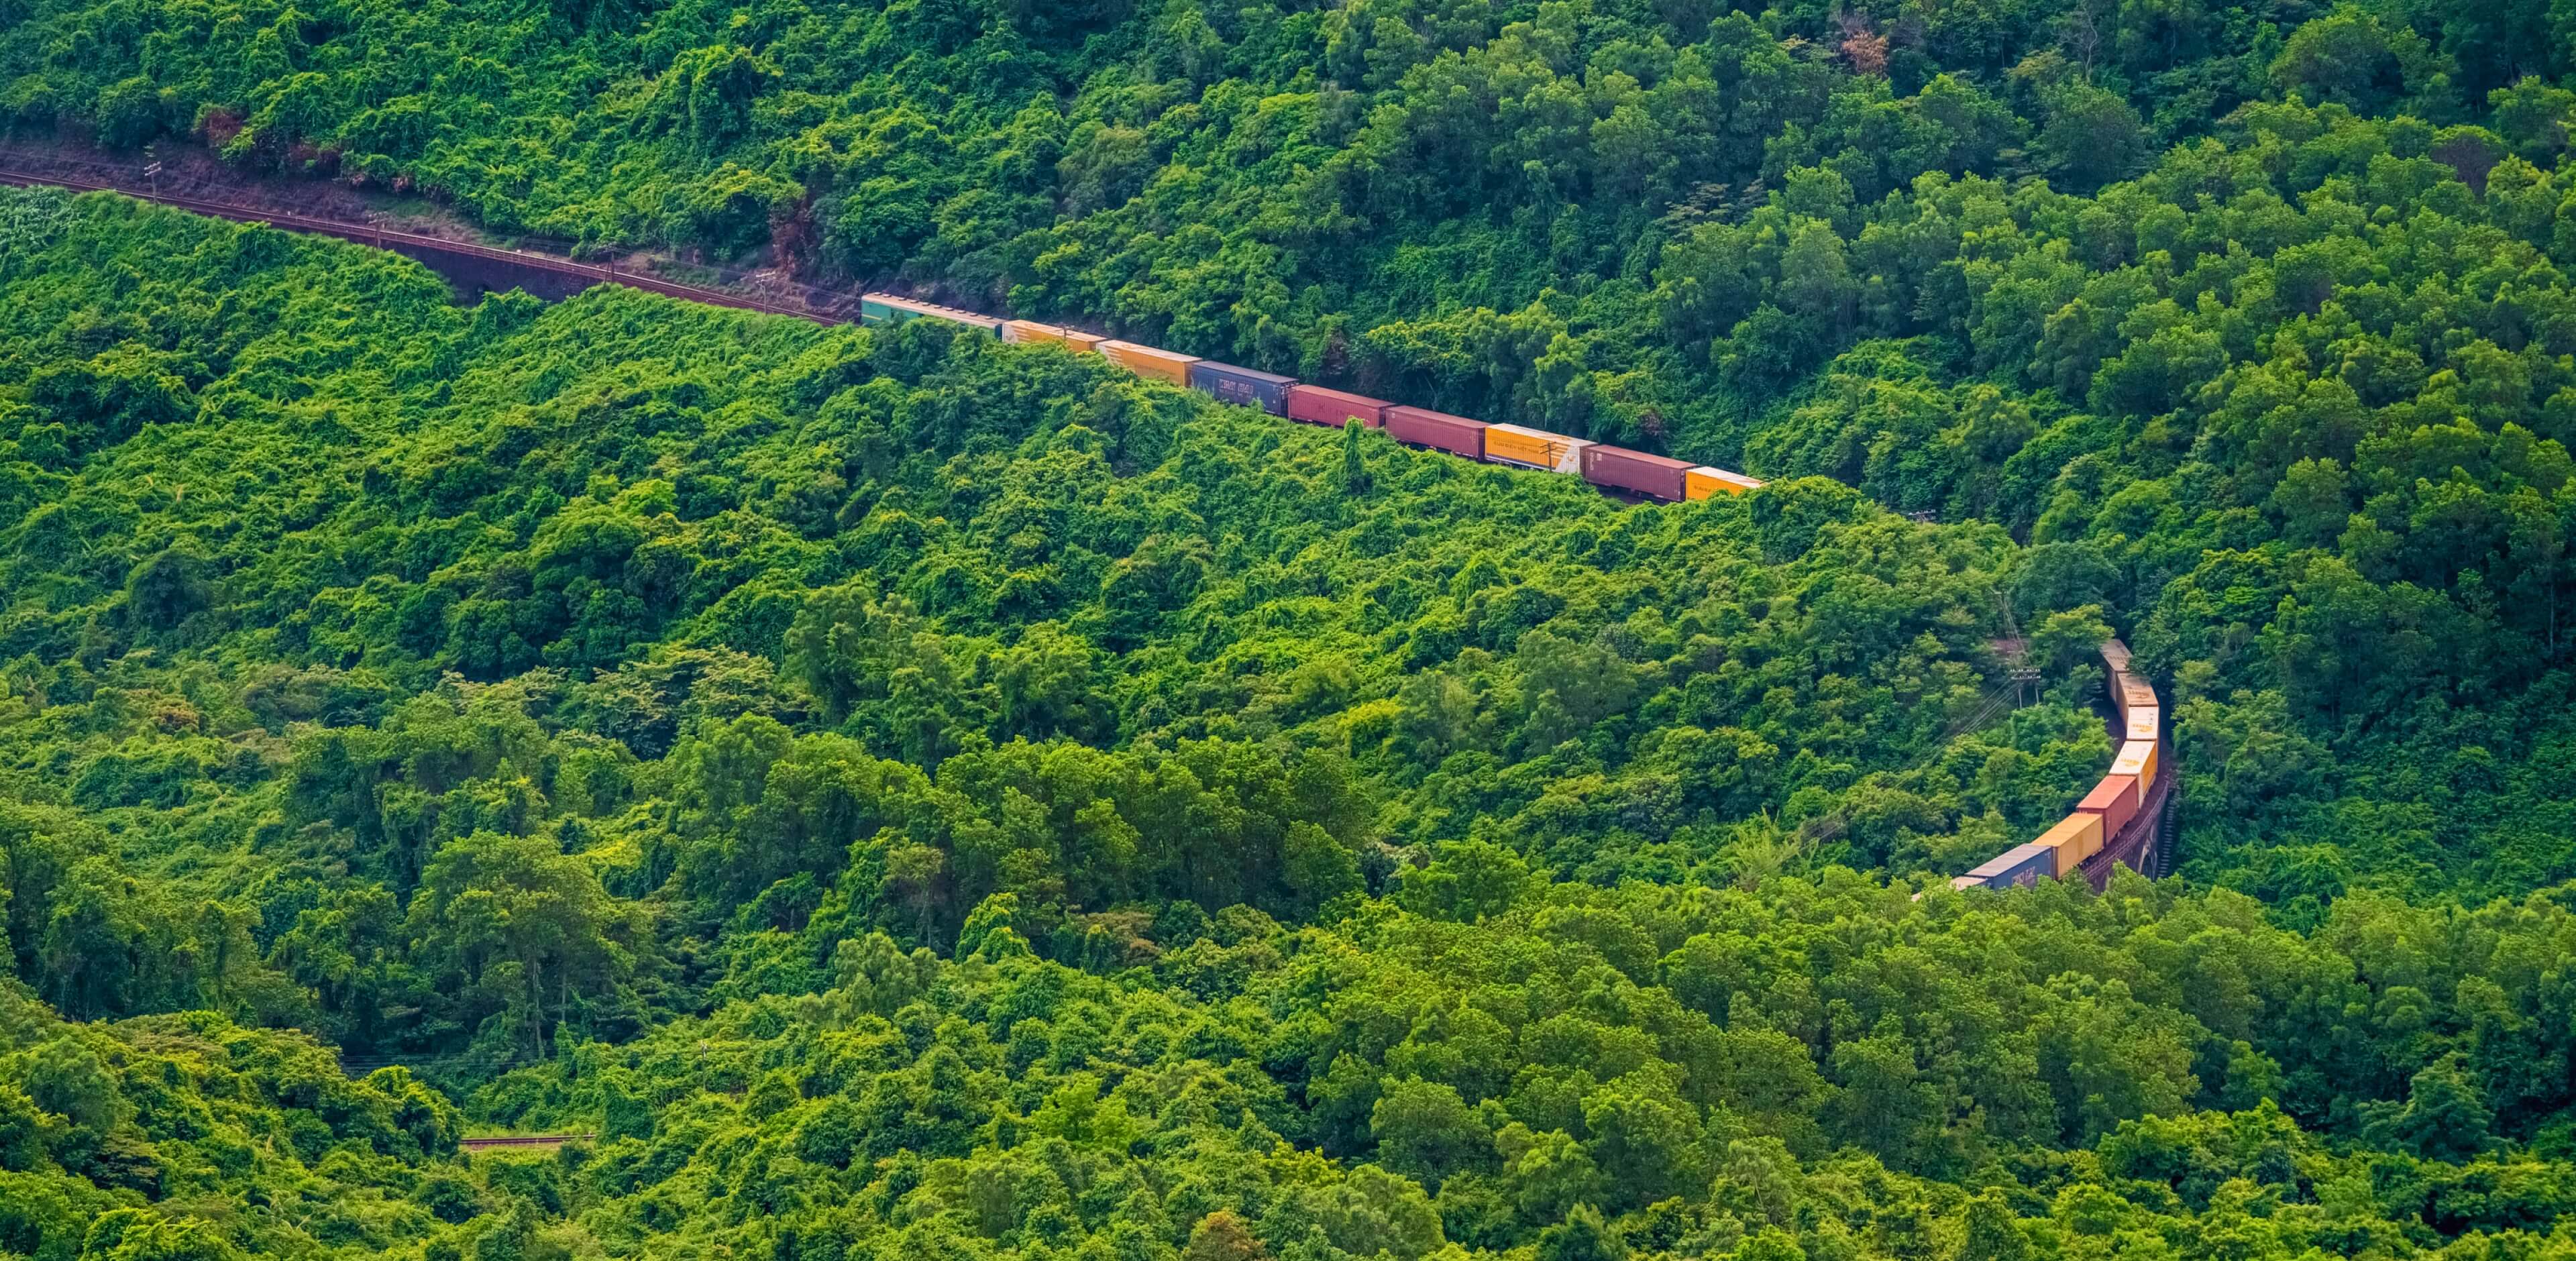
(521, 1140)
(418, 243)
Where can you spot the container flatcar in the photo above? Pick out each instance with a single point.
(1030, 332)
(2116, 800)
(1149, 361)
(1316, 405)
(2076, 837)
(1708, 483)
(881, 310)
(1440, 431)
(1534, 448)
(1618, 468)
(1246, 386)
(2020, 865)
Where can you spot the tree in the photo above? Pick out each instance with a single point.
(2350, 58)
(2445, 1116)
(1425, 1131)
(2092, 137)
(516, 929)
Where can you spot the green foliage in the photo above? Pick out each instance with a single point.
(910, 796)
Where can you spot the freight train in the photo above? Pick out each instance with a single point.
(2098, 819)
(1615, 469)
(2106, 811)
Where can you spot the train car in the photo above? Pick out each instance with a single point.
(2129, 692)
(1708, 483)
(2021, 865)
(884, 310)
(2115, 655)
(1149, 361)
(1440, 431)
(1316, 405)
(2076, 837)
(1246, 386)
(2137, 759)
(1618, 468)
(2116, 800)
(1534, 448)
(2146, 722)
(1032, 333)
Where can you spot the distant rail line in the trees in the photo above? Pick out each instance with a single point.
(415, 243)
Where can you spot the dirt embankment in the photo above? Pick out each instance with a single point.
(191, 170)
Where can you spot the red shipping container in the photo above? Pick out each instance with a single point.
(1319, 406)
(1619, 468)
(2116, 800)
(1440, 431)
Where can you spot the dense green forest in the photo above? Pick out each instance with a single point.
(2249, 319)
(916, 797)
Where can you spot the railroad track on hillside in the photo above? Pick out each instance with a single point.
(491, 1142)
(387, 238)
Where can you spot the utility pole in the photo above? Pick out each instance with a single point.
(152, 172)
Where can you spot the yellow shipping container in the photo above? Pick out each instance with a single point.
(1536, 448)
(1031, 332)
(2137, 757)
(1149, 361)
(2076, 837)
(1706, 483)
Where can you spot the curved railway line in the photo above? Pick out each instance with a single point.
(2125, 821)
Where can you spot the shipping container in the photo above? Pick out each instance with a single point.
(2137, 757)
(2146, 722)
(1246, 386)
(1534, 448)
(2115, 655)
(1316, 405)
(1149, 361)
(2076, 837)
(2116, 800)
(879, 310)
(2134, 692)
(2020, 865)
(1030, 332)
(1707, 483)
(1618, 468)
(1440, 431)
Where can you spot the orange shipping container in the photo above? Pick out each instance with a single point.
(1149, 361)
(1534, 448)
(2116, 800)
(1033, 333)
(2137, 757)
(1705, 483)
(2076, 837)
(2115, 655)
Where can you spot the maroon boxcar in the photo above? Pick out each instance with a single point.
(2116, 800)
(1319, 406)
(1440, 431)
(1619, 468)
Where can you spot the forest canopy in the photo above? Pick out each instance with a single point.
(903, 795)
